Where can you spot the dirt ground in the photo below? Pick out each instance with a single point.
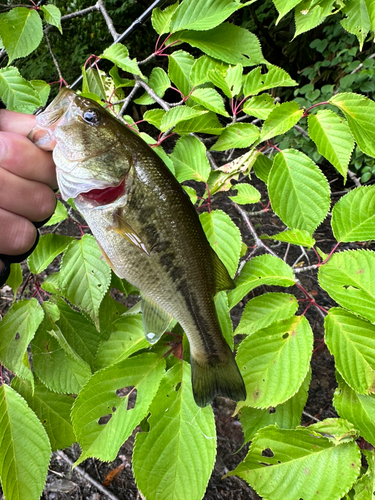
(63, 483)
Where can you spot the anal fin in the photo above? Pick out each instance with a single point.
(154, 318)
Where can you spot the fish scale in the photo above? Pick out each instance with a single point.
(150, 233)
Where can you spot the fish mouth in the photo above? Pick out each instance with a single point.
(106, 195)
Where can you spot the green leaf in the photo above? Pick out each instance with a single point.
(262, 167)
(298, 190)
(154, 116)
(15, 278)
(93, 85)
(294, 236)
(17, 329)
(303, 463)
(43, 89)
(59, 215)
(127, 338)
(175, 458)
(281, 119)
(180, 64)
(119, 55)
(333, 139)
(101, 396)
(84, 277)
(348, 277)
(359, 111)
(206, 124)
(55, 362)
(79, 332)
(357, 408)
(21, 31)
(221, 178)
(352, 341)
(52, 15)
(261, 270)
(179, 114)
(201, 69)
(24, 448)
(259, 106)
(309, 15)
(210, 99)
(336, 430)
(159, 82)
(255, 82)
(260, 312)
(237, 135)
(246, 194)
(353, 216)
(365, 486)
(224, 237)
(16, 93)
(191, 193)
(161, 18)
(52, 409)
(265, 359)
(284, 6)
(190, 160)
(286, 416)
(228, 43)
(357, 20)
(49, 247)
(202, 15)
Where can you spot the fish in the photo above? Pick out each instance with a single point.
(147, 229)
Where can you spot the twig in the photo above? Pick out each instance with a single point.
(302, 131)
(128, 99)
(310, 416)
(87, 476)
(259, 243)
(361, 65)
(152, 93)
(54, 58)
(108, 20)
(354, 178)
(80, 12)
(303, 269)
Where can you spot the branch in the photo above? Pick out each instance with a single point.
(128, 99)
(259, 243)
(108, 20)
(152, 93)
(54, 58)
(302, 131)
(87, 476)
(361, 65)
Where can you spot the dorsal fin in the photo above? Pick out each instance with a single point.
(222, 279)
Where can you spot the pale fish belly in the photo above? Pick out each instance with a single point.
(143, 271)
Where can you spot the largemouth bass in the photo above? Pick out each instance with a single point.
(147, 229)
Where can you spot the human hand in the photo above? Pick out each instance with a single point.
(27, 180)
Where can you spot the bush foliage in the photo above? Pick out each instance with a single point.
(85, 350)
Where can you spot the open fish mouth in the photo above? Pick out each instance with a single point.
(106, 195)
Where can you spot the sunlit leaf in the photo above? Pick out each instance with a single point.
(190, 160)
(302, 463)
(266, 357)
(24, 448)
(261, 270)
(298, 190)
(174, 459)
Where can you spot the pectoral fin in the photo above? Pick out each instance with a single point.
(121, 227)
(155, 319)
(222, 279)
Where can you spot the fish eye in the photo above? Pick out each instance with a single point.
(91, 116)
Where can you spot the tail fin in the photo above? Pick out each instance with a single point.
(212, 379)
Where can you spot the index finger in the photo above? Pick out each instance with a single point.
(17, 123)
